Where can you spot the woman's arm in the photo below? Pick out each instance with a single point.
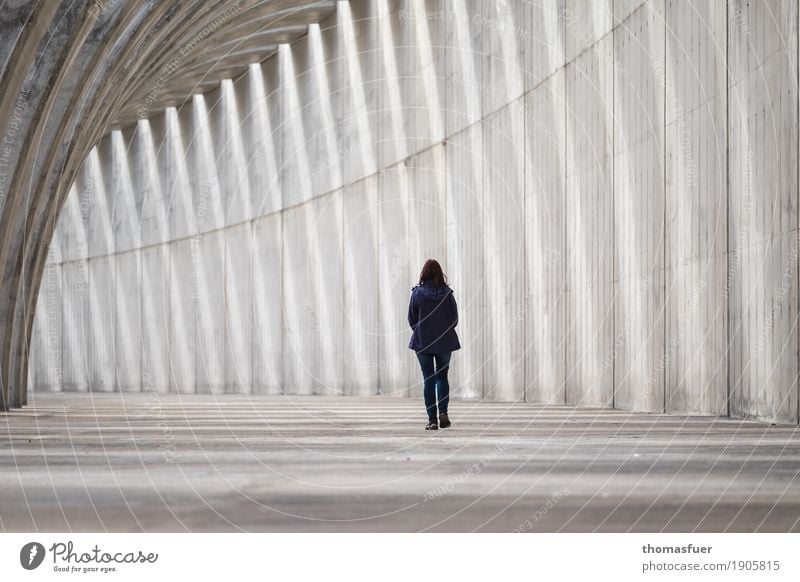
(412, 313)
(453, 309)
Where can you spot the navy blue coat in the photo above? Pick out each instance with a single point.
(433, 316)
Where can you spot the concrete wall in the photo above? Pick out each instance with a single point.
(611, 187)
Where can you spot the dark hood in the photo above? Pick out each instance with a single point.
(432, 292)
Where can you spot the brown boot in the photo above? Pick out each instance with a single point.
(444, 421)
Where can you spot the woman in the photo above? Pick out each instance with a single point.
(433, 315)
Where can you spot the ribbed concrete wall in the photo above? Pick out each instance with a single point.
(611, 186)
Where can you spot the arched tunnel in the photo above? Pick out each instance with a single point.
(72, 72)
(213, 214)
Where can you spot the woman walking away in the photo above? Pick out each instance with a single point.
(433, 315)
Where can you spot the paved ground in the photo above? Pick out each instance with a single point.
(236, 463)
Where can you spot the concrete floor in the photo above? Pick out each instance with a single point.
(138, 462)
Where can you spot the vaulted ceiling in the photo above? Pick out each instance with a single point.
(214, 41)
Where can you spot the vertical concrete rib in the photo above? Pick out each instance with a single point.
(614, 262)
(727, 209)
(664, 218)
(566, 210)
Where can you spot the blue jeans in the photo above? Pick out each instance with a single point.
(435, 380)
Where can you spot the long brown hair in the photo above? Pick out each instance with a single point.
(432, 271)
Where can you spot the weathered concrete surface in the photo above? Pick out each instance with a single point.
(617, 222)
(150, 462)
(612, 187)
